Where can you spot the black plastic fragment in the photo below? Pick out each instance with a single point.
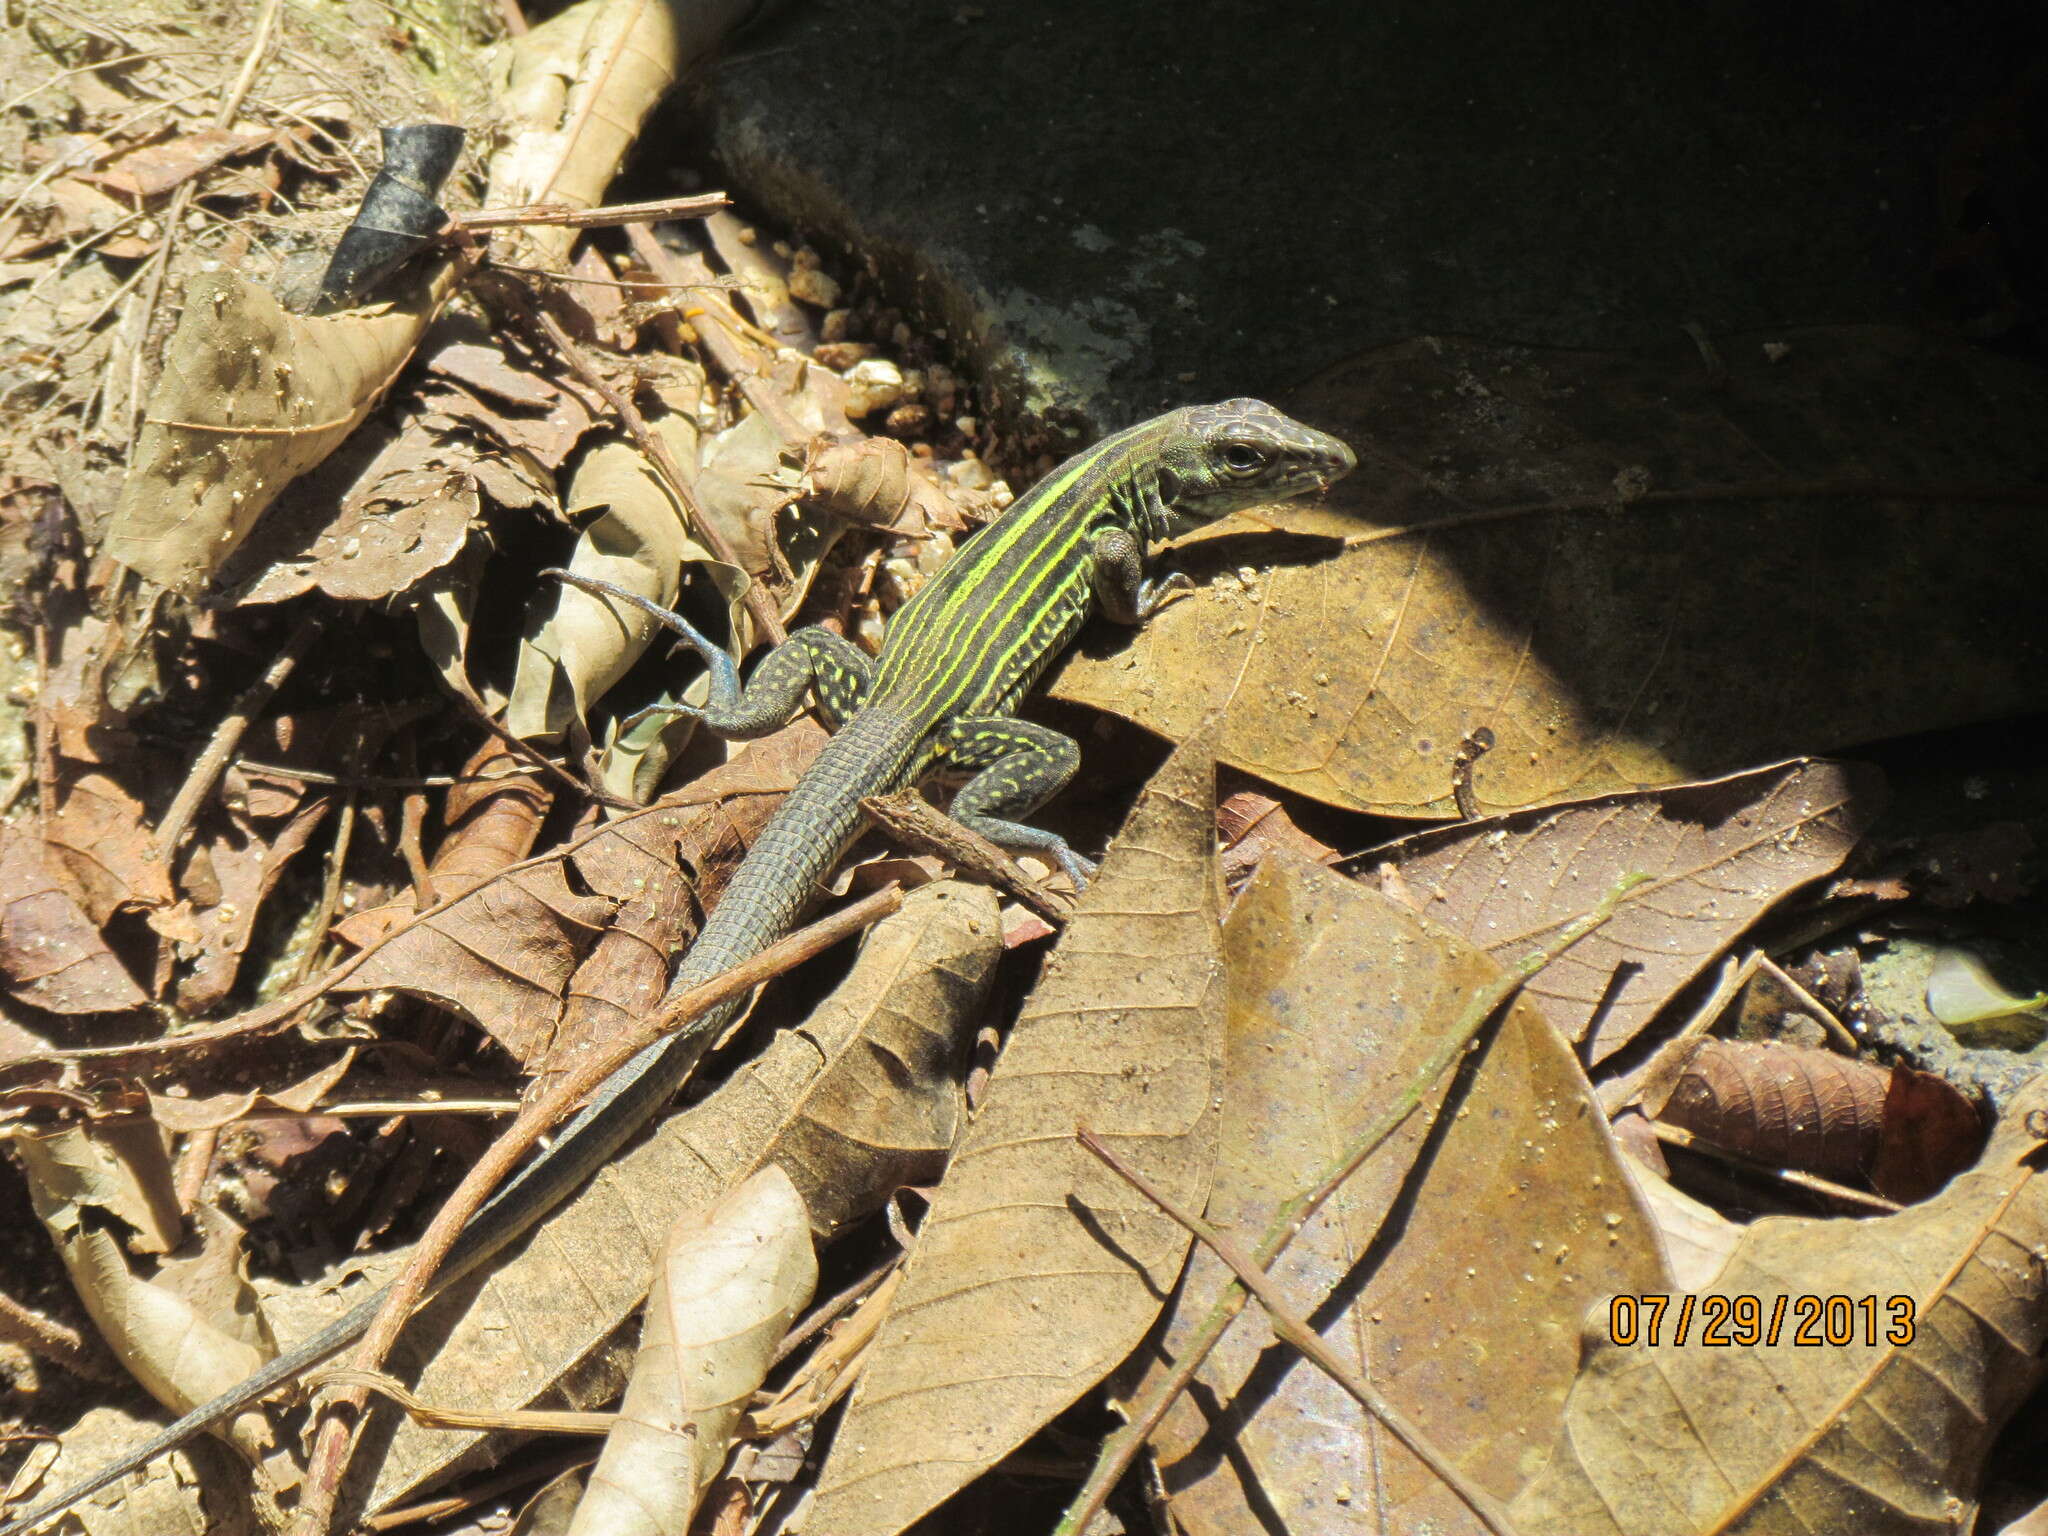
(398, 216)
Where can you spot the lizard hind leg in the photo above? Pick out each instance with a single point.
(1017, 767)
(832, 667)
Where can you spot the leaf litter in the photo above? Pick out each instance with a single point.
(377, 886)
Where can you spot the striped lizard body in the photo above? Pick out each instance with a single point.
(957, 659)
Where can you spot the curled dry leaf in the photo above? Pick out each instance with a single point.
(1883, 1434)
(878, 482)
(1038, 1270)
(638, 540)
(1464, 1310)
(251, 396)
(731, 1281)
(1719, 854)
(1506, 570)
(50, 952)
(193, 1328)
(1908, 1132)
(862, 1099)
(154, 169)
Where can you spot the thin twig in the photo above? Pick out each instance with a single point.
(1293, 1329)
(333, 1431)
(1679, 1136)
(378, 780)
(208, 766)
(1121, 1448)
(766, 619)
(566, 216)
(330, 890)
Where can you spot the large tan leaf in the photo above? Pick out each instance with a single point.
(1586, 556)
(1718, 854)
(251, 396)
(1038, 1270)
(1465, 1309)
(1865, 1438)
(861, 1099)
(730, 1283)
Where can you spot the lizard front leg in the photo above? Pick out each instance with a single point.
(1017, 767)
(1123, 592)
(830, 666)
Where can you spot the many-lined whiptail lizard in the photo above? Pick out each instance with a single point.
(957, 659)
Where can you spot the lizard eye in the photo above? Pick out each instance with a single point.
(1241, 458)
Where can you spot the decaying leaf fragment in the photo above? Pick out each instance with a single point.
(732, 1280)
(1038, 1270)
(251, 396)
(1878, 1430)
(863, 1098)
(1465, 1309)
(50, 952)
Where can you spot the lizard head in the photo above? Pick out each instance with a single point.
(1240, 453)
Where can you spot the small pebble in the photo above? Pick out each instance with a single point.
(872, 384)
(814, 286)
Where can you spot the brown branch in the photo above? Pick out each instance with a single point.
(60, 1345)
(1293, 1329)
(1121, 1448)
(333, 1435)
(910, 817)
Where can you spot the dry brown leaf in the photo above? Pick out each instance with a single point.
(876, 481)
(731, 1281)
(863, 1098)
(746, 488)
(499, 955)
(1523, 573)
(406, 512)
(182, 1115)
(251, 396)
(572, 94)
(242, 867)
(50, 951)
(155, 169)
(1719, 855)
(1865, 1438)
(1038, 1270)
(169, 1497)
(1465, 1311)
(1907, 1131)
(192, 1329)
(97, 843)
